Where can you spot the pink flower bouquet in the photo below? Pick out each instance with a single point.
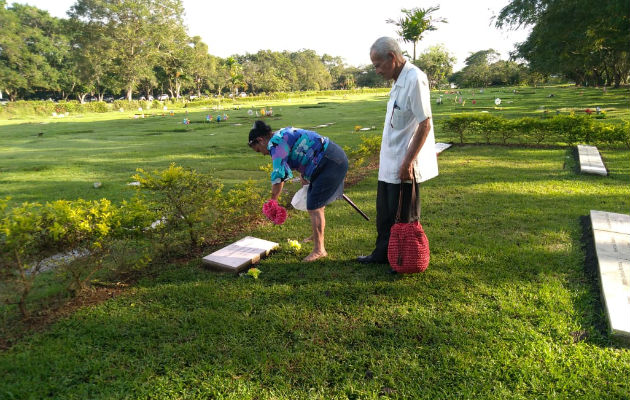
(275, 212)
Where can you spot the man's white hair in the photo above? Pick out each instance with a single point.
(383, 45)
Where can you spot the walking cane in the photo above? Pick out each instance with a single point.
(346, 198)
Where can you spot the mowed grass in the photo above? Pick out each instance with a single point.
(507, 309)
(74, 152)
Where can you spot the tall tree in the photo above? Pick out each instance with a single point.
(585, 42)
(311, 72)
(477, 72)
(414, 23)
(437, 63)
(32, 49)
(203, 66)
(138, 30)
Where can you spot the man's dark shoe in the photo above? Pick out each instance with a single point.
(371, 260)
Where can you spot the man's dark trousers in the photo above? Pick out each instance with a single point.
(387, 195)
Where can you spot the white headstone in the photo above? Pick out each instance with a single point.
(440, 147)
(613, 257)
(239, 255)
(611, 222)
(591, 161)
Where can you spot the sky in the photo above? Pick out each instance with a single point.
(340, 28)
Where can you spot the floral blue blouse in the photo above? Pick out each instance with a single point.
(297, 149)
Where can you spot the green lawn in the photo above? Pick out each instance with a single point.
(74, 152)
(507, 308)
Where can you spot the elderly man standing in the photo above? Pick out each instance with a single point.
(408, 143)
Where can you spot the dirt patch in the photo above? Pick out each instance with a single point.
(357, 175)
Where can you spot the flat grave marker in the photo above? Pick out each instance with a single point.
(612, 222)
(591, 161)
(440, 147)
(239, 255)
(612, 245)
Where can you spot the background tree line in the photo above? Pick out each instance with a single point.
(112, 48)
(586, 42)
(140, 47)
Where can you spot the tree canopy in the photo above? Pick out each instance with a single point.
(414, 23)
(582, 40)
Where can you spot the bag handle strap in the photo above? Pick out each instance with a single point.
(414, 210)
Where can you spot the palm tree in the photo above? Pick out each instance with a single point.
(414, 23)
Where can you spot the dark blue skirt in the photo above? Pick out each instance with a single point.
(327, 180)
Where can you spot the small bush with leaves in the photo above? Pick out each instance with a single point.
(83, 226)
(129, 249)
(182, 198)
(369, 146)
(459, 124)
(22, 243)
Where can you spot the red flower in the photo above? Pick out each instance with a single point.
(275, 212)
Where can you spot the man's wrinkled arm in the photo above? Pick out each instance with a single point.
(417, 141)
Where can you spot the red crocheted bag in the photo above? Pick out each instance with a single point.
(408, 249)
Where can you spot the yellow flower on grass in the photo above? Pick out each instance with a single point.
(253, 272)
(295, 245)
(357, 128)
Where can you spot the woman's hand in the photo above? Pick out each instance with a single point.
(276, 189)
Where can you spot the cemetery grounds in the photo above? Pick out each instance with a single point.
(509, 307)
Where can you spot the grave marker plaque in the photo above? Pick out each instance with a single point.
(440, 147)
(612, 245)
(611, 222)
(591, 161)
(239, 255)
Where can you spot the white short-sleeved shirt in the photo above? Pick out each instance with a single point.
(409, 104)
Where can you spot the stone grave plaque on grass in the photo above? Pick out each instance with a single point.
(613, 258)
(239, 255)
(440, 147)
(591, 161)
(612, 222)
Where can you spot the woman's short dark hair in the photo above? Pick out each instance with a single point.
(260, 129)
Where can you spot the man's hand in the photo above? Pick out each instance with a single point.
(406, 172)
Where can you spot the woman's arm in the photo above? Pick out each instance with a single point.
(276, 189)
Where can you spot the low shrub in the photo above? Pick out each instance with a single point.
(369, 146)
(184, 200)
(22, 242)
(567, 129)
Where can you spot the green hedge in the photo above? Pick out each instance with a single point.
(47, 108)
(175, 211)
(559, 129)
(22, 107)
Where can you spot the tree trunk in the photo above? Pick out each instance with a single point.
(129, 93)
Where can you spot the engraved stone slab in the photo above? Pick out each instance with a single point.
(611, 222)
(591, 161)
(440, 147)
(613, 257)
(239, 255)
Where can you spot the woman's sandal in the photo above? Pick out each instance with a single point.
(311, 257)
